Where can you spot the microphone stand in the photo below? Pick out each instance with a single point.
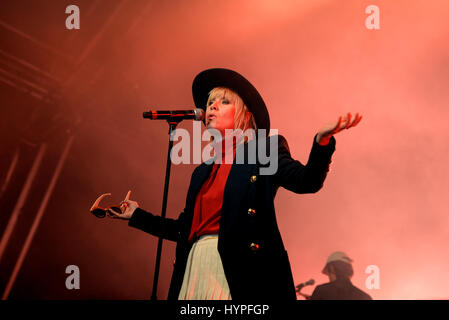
(298, 291)
(172, 123)
(306, 296)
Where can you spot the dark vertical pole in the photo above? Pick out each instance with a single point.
(164, 208)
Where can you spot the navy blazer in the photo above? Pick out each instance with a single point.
(254, 259)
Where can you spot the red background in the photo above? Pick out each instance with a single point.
(383, 202)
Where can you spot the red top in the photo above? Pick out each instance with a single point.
(207, 212)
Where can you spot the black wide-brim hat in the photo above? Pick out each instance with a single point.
(206, 80)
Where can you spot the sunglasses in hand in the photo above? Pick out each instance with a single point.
(101, 212)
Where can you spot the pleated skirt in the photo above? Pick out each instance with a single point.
(204, 278)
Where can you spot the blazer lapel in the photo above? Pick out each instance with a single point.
(235, 191)
(200, 176)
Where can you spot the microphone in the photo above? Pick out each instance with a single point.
(175, 115)
(302, 285)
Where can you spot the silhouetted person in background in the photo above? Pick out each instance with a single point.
(339, 270)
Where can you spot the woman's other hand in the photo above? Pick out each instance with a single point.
(127, 207)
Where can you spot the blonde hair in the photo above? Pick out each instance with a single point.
(243, 118)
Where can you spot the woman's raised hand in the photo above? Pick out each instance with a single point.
(335, 127)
